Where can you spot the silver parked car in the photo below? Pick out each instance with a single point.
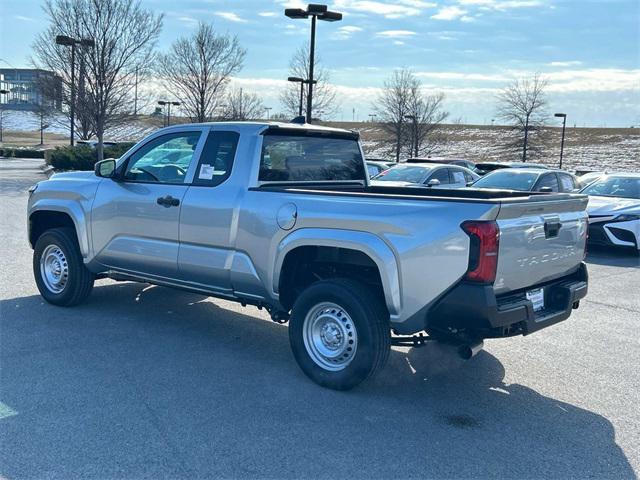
(529, 180)
(428, 175)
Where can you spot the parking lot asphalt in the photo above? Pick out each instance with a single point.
(147, 382)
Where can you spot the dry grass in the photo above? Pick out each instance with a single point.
(597, 148)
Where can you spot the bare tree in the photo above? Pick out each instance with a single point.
(240, 105)
(391, 107)
(324, 94)
(198, 68)
(125, 35)
(426, 114)
(409, 116)
(522, 105)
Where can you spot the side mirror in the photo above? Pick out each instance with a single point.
(106, 168)
(546, 190)
(434, 182)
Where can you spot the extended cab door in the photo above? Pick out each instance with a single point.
(207, 235)
(135, 219)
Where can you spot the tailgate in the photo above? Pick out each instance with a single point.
(541, 238)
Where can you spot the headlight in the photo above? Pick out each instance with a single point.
(627, 218)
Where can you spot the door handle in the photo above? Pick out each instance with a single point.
(168, 201)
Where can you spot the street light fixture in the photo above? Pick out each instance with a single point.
(302, 82)
(564, 125)
(2, 92)
(67, 41)
(316, 12)
(168, 105)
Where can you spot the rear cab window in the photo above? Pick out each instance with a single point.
(308, 156)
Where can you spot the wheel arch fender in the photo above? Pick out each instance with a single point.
(367, 243)
(72, 210)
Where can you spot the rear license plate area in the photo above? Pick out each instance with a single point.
(536, 297)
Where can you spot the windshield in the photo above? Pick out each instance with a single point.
(508, 179)
(404, 174)
(624, 187)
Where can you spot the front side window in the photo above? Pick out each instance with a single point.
(442, 175)
(307, 157)
(165, 159)
(549, 181)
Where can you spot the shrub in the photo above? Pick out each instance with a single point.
(81, 157)
(21, 152)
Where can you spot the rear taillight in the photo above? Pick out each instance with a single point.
(483, 250)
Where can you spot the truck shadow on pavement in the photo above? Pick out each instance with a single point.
(149, 382)
(613, 257)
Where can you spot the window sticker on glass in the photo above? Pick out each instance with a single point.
(206, 172)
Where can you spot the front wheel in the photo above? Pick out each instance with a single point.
(60, 274)
(339, 333)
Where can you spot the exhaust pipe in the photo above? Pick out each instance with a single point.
(468, 351)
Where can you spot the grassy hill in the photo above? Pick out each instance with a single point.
(593, 148)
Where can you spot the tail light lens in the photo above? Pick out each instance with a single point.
(483, 251)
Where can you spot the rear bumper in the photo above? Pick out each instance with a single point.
(477, 312)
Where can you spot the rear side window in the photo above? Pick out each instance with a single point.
(216, 159)
(566, 182)
(301, 158)
(458, 176)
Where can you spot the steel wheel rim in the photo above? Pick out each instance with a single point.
(54, 268)
(330, 336)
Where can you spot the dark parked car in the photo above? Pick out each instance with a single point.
(529, 180)
(460, 162)
(486, 167)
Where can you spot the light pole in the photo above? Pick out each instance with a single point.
(268, 109)
(162, 103)
(302, 82)
(564, 125)
(72, 42)
(414, 135)
(316, 12)
(2, 92)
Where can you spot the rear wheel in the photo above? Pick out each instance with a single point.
(59, 270)
(339, 333)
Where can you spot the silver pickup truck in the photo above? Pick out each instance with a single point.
(282, 216)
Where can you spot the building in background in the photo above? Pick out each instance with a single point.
(25, 91)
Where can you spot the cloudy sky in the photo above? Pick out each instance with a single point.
(589, 50)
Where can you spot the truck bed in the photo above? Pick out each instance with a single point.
(468, 194)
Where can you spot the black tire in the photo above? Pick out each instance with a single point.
(79, 280)
(367, 315)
